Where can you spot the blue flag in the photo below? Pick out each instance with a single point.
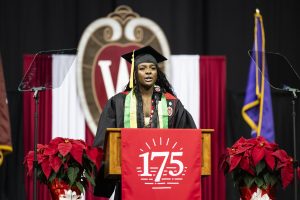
(257, 109)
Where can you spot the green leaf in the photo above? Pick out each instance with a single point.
(89, 178)
(273, 179)
(63, 159)
(267, 177)
(249, 180)
(52, 176)
(72, 174)
(90, 165)
(259, 182)
(265, 186)
(80, 186)
(260, 167)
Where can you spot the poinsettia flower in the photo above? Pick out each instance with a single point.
(239, 142)
(257, 156)
(271, 146)
(95, 155)
(245, 165)
(55, 163)
(232, 150)
(41, 146)
(30, 158)
(77, 151)
(281, 165)
(41, 158)
(29, 162)
(242, 148)
(223, 162)
(46, 168)
(81, 143)
(280, 154)
(287, 174)
(57, 141)
(64, 148)
(234, 161)
(56, 158)
(283, 158)
(51, 149)
(270, 159)
(258, 153)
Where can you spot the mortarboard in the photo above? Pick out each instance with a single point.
(144, 54)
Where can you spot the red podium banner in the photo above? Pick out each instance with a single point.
(161, 164)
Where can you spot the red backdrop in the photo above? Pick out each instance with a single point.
(212, 104)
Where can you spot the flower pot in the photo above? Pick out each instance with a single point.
(61, 191)
(255, 193)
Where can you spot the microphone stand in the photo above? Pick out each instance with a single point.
(295, 162)
(157, 98)
(33, 81)
(35, 161)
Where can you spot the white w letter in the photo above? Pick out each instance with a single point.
(108, 83)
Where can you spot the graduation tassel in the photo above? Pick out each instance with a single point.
(131, 72)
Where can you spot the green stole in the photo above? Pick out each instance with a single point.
(130, 117)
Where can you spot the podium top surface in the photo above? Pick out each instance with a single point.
(203, 130)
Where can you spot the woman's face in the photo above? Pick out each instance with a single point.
(147, 74)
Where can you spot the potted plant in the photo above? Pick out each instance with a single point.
(257, 167)
(65, 165)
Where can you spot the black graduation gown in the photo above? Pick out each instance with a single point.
(112, 116)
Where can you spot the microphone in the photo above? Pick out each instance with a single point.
(157, 93)
(157, 97)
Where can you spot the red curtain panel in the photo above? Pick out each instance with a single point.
(212, 115)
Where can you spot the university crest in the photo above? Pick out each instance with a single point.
(101, 72)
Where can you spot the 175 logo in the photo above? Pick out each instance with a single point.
(161, 163)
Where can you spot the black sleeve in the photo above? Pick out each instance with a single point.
(107, 120)
(105, 187)
(182, 118)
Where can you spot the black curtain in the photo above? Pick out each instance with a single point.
(205, 27)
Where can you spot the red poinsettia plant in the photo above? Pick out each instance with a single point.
(68, 160)
(257, 162)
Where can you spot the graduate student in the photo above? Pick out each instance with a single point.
(147, 102)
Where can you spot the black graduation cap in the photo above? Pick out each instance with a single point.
(144, 54)
(147, 50)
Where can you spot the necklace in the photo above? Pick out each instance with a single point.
(151, 114)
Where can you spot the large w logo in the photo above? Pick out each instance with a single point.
(110, 73)
(122, 78)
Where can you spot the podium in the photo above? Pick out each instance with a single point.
(112, 156)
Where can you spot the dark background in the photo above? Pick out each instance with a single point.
(205, 27)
